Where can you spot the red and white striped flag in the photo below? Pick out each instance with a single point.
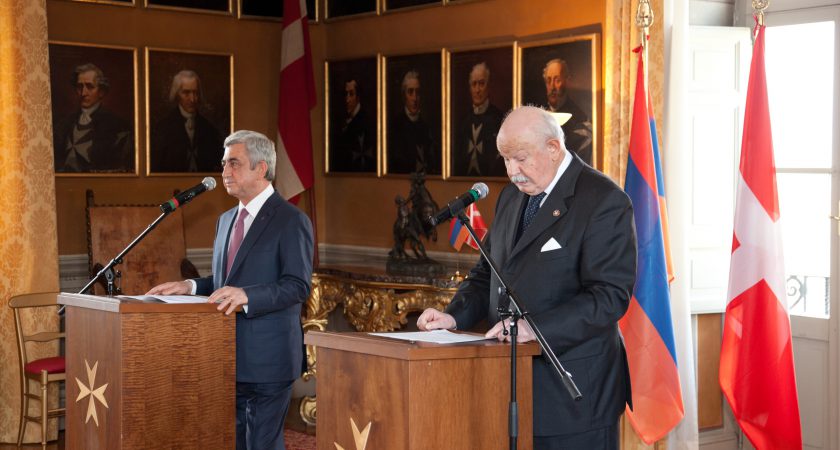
(756, 361)
(297, 97)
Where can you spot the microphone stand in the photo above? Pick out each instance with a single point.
(515, 314)
(108, 271)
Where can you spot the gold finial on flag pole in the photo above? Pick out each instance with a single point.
(644, 19)
(758, 10)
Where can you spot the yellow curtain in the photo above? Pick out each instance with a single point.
(622, 36)
(28, 239)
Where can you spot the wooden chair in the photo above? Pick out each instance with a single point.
(160, 257)
(42, 371)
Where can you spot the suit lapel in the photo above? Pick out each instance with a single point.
(554, 207)
(513, 221)
(257, 227)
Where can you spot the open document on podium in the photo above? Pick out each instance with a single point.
(170, 298)
(436, 336)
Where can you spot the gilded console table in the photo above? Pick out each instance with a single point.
(372, 301)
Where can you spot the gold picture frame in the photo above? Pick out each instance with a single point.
(412, 136)
(277, 14)
(352, 113)
(130, 3)
(485, 74)
(408, 5)
(185, 6)
(580, 93)
(114, 103)
(212, 110)
(349, 12)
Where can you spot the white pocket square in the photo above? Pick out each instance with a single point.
(552, 244)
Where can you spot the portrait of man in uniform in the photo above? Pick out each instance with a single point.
(94, 104)
(481, 92)
(352, 100)
(560, 76)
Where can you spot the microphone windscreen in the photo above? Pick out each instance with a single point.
(482, 190)
(209, 183)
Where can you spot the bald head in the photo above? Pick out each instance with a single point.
(531, 143)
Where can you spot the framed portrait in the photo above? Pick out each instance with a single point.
(108, 2)
(352, 112)
(94, 109)
(272, 9)
(562, 75)
(390, 5)
(189, 110)
(213, 6)
(413, 114)
(343, 8)
(479, 86)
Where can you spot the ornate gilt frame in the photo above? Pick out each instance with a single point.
(136, 112)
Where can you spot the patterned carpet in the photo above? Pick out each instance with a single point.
(298, 441)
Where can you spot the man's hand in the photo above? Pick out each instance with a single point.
(432, 319)
(172, 288)
(523, 334)
(228, 298)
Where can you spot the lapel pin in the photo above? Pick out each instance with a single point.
(556, 213)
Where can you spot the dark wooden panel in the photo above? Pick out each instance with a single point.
(366, 389)
(466, 402)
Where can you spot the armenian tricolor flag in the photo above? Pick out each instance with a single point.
(647, 328)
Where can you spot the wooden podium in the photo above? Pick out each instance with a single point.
(417, 395)
(147, 375)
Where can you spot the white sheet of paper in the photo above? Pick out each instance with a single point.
(171, 298)
(436, 336)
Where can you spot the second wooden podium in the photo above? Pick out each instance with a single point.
(376, 392)
(147, 375)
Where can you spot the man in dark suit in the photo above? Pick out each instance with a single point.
(184, 140)
(572, 262)
(262, 261)
(92, 139)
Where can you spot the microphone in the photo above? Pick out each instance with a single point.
(478, 191)
(207, 184)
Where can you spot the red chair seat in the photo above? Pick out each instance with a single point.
(54, 364)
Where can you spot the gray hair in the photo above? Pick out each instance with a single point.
(101, 80)
(564, 68)
(411, 74)
(178, 79)
(259, 148)
(481, 65)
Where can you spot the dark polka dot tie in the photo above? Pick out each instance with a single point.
(531, 210)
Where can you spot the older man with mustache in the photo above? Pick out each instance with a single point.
(563, 238)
